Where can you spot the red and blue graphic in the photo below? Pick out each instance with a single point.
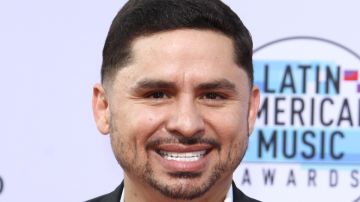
(351, 75)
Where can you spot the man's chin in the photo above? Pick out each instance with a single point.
(184, 186)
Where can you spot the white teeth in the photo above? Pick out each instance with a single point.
(185, 156)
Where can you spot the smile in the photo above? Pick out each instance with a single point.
(183, 156)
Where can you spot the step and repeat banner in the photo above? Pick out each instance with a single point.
(306, 144)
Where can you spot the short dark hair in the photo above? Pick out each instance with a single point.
(145, 17)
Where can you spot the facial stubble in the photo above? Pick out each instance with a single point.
(179, 191)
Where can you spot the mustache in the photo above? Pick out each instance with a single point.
(183, 140)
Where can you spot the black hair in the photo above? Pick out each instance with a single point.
(144, 17)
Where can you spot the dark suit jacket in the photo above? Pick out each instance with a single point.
(116, 195)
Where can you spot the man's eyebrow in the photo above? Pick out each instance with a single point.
(153, 84)
(217, 84)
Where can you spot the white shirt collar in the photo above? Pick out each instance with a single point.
(228, 198)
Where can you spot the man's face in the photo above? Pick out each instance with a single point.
(180, 113)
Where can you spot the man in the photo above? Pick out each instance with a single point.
(177, 100)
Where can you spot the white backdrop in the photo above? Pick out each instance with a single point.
(50, 56)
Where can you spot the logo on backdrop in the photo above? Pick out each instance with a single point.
(309, 112)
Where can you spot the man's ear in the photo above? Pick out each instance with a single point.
(101, 109)
(253, 107)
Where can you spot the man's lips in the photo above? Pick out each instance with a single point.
(175, 152)
(182, 155)
(183, 158)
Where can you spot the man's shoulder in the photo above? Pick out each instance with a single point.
(239, 196)
(113, 196)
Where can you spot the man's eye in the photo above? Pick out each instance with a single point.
(213, 96)
(157, 95)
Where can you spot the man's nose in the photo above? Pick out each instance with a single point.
(186, 119)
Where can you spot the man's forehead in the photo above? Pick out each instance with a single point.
(174, 55)
(172, 40)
